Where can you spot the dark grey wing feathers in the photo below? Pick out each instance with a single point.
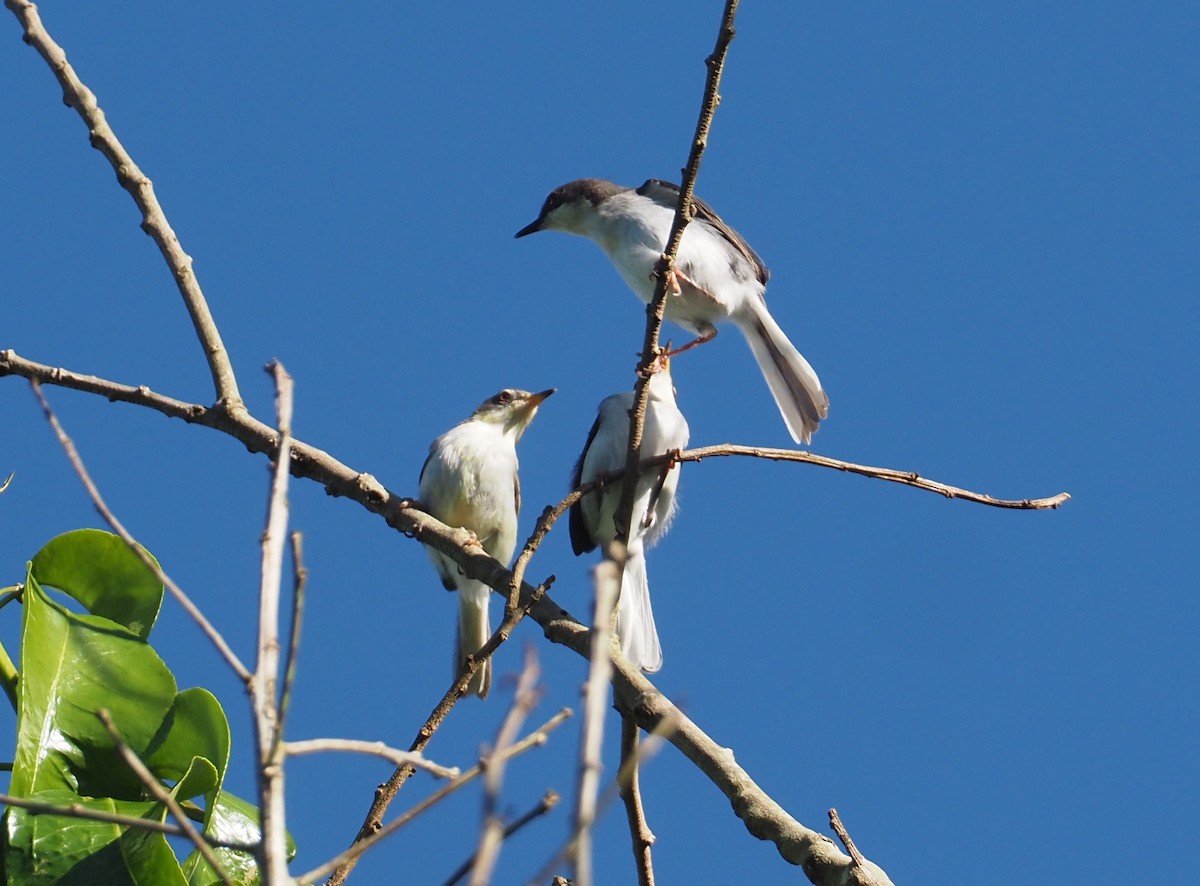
(664, 193)
(581, 538)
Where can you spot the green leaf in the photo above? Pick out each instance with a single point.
(72, 665)
(46, 849)
(104, 575)
(234, 820)
(195, 728)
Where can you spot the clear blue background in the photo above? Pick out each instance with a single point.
(981, 220)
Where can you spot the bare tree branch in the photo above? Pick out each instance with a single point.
(666, 265)
(491, 835)
(162, 795)
(299, 584)
(375, 749)
(840, 829)
(77, 810)
(640, 835)
(265, 686)
(133, 180)
(535, 739)
(762, 816)
(311, 463)
(907, 478)
(386, 792)
(606, 579)
(549, 801)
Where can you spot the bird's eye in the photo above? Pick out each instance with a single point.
(504, 397)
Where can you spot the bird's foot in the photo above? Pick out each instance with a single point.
(672, 280)
(660, 362)
(707, 337)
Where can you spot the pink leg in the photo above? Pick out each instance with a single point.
(707, 337)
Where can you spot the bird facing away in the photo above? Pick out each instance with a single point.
(470, 480)
(592, 517)
(718, 277)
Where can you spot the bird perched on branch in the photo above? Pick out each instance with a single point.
(717, 277)
(592, 517)
(470, 480)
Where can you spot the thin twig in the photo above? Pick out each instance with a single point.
(299, 584)
(133, 180)
(110, 518)
(907, 478)
(843, 835)
(641, 837)
(549, 801)
(606, 578)
(491, 834)
(666, 266)
(78, 810)
(649, 749)
(374, 749)
(265, 701)
(162, 795)
(536, 738)
(386, 793)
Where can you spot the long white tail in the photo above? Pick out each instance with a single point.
(635, 617)
(793, 382)
(474, 629)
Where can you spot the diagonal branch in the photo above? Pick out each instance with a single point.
(110, 518)
(549, 801)
(162, 795)
(535, 739)
(78, 810)
(386, 792)
(133, 180)
(666, 265)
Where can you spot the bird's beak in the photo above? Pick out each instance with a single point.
(532, 228)
(536, 399)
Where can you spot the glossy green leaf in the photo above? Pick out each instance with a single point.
(234, 820)
(72, 665)
(45, 849)
(108, 579)
(195, 727)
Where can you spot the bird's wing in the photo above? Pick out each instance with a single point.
(516, 493)
(424, 468)
(581, 539)
(665, 193)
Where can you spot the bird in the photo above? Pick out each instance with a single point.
(591, 521)
(470, 480)
(717, 278)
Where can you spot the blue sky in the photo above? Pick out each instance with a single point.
(981, 225)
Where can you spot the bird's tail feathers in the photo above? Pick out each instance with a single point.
(474, 629)
(793, 382)
(635, 617)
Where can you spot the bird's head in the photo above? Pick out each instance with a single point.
(661, 384)
(572, 207)
(511, 410)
